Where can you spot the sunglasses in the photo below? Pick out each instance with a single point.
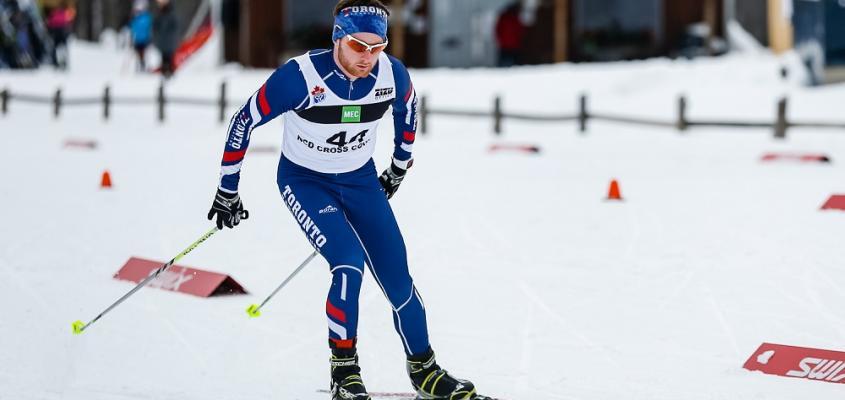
(360, 46)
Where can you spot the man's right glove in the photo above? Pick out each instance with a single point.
(228, 208)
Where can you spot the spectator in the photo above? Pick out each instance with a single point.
(22, 28)
(7, 36)
(166, 36)
(141, 28)
(59, 21)
(509, 34)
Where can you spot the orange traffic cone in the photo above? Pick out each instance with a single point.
(614, 193)
(105, 181)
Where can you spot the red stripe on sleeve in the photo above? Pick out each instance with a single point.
(230, 156)
(408, 95)
(409, 136)
(335, 312)
(262, 100)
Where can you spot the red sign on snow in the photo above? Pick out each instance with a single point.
(835, 202)
(179, 279)
(798, 362)
(81, 144)
(519, 148)
(796, 157)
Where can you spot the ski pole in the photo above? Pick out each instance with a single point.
(79, 326)
(254, 310)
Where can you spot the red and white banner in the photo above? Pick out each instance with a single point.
(798, 362)
(835, 202)
(179, 279)
(519, 148)
(81, 144)
(192, 44)
(796, 157)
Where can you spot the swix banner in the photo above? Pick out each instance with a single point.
(835, 202)
(798, 362)
(179, 279)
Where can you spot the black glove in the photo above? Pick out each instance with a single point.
(391, 178)
(229, 209)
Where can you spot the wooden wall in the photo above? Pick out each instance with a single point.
(262, 35)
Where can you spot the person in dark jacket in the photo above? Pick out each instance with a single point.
(25, 49)
(166, 35)
(8, 38)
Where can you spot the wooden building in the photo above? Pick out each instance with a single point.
(458, 33)
(265, 33)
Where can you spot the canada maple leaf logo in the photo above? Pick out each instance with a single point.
(317, 90)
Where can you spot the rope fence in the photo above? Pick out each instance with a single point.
(497, 115)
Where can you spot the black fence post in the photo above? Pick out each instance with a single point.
(161, 102)
(497, 115)
(57, 103)
(682, 123)
(423, 115)
(4, 101)
(583, 116)
(222, 102)
(106, 102)
(781, 124)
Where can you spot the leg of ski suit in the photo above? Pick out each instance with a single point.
(347, 218)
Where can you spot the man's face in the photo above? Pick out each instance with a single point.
(359, 64)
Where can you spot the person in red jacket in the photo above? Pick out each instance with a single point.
(59, 23)
(509, 34)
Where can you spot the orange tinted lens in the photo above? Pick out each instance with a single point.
(379, 49)
(355, 46)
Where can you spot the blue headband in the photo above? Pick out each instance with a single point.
(351, 20)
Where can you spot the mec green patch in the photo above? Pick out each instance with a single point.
(350, 114)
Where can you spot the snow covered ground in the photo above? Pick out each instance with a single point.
(536, 288)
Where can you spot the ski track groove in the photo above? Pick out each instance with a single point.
(525, 355)
(531, 294)
(720, 317)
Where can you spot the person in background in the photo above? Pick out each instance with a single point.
(59, 21)
(24, 51)
(140, 26)
(509, 34)
(166, 35)
(7, 36)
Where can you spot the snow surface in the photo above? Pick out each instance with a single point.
(536, 288)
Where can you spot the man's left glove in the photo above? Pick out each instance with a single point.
(391, 178)
(228, 208)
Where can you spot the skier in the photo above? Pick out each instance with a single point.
(332, 101)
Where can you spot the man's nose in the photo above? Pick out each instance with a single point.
(368, 56)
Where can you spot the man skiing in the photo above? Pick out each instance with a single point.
(332, 101)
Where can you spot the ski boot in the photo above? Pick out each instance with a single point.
(346, 376)
(434, 383)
